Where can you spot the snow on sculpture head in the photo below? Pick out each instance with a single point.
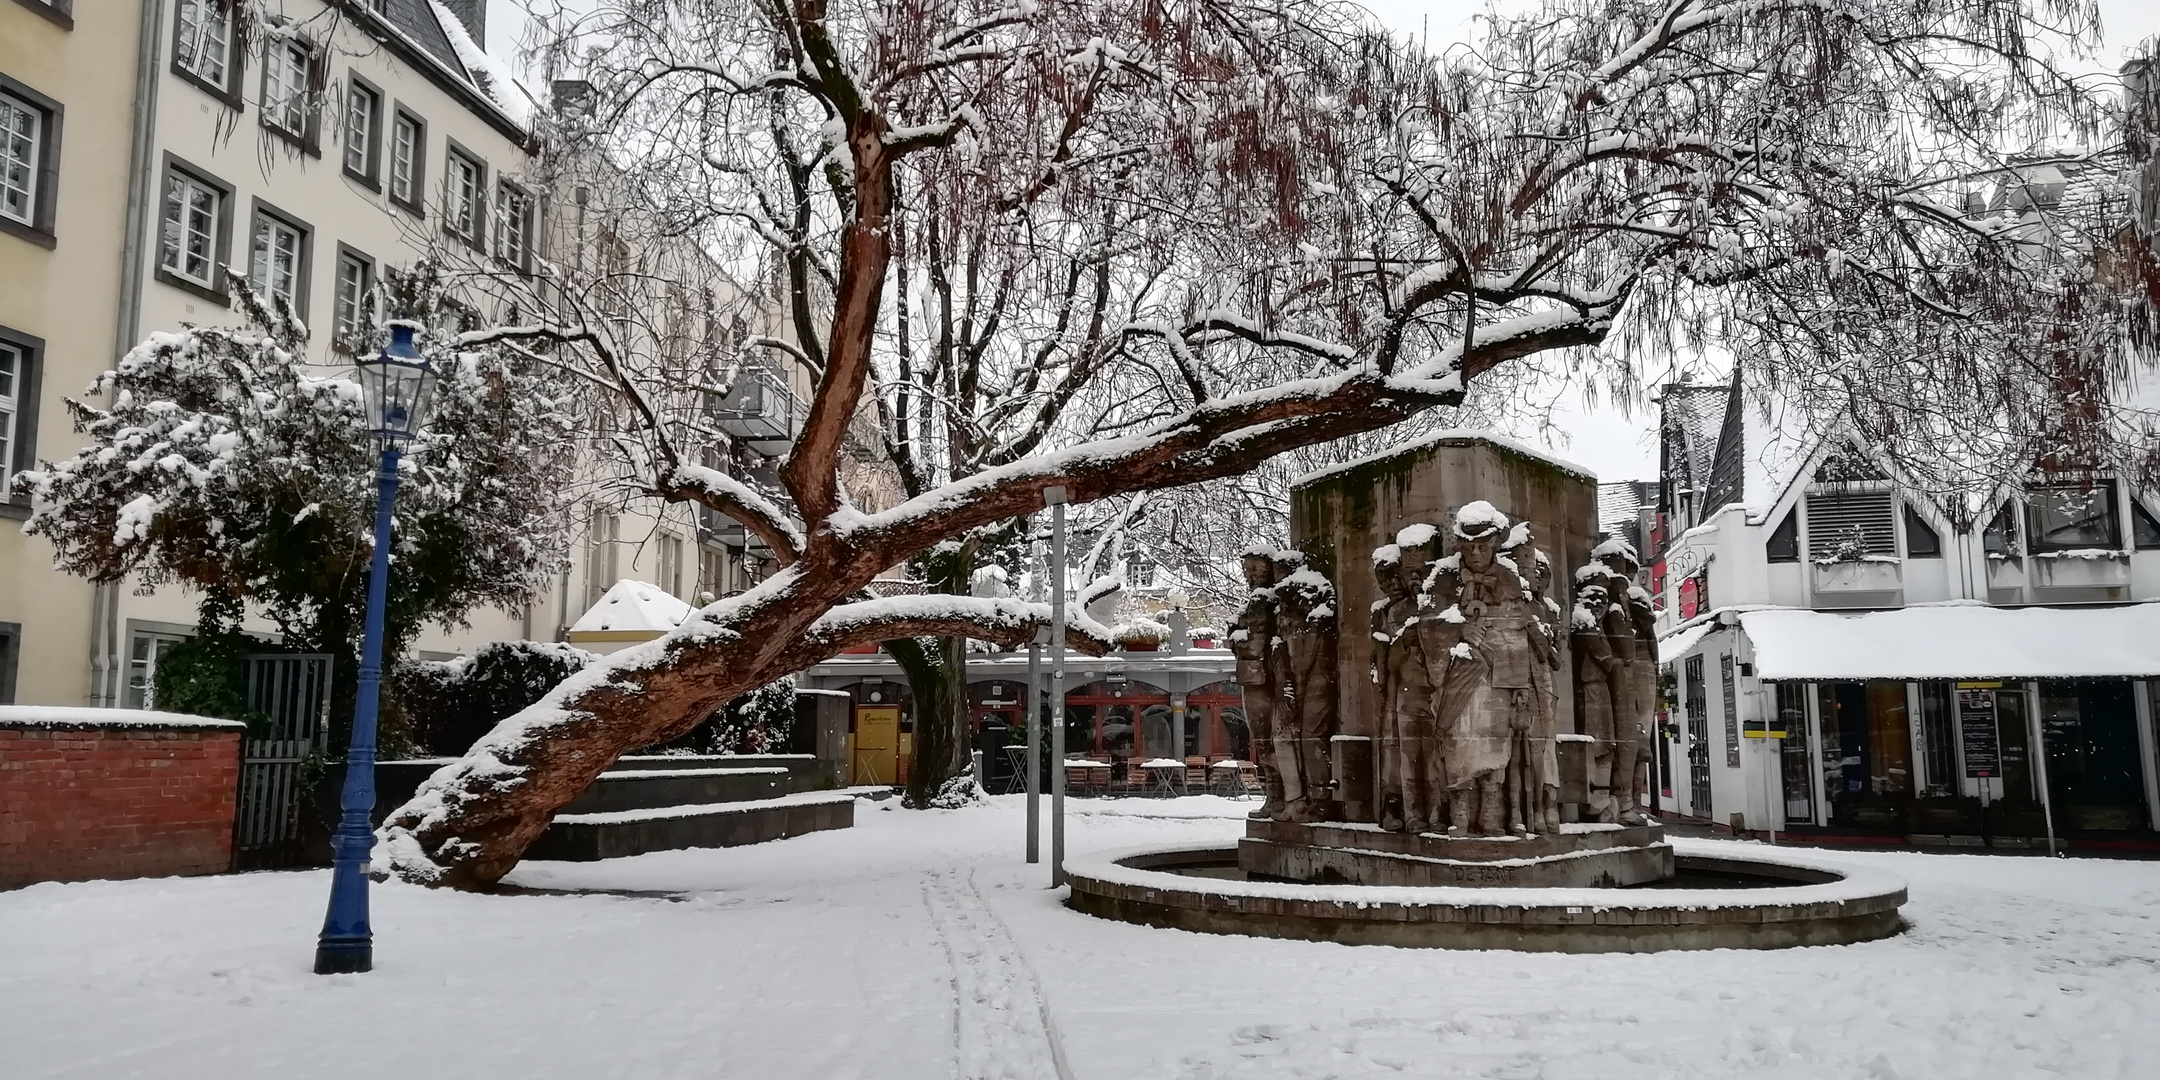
(1479, 520)
(1416, 536)
(1618, 555)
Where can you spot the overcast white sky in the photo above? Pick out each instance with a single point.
(1615, 441)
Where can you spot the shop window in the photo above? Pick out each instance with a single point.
(1866, 752)
(2144, 528)
(1784, 544)
(2093, 770)
(1921, 539)
(1938, 728)
(1793, 753)
(2073, 518)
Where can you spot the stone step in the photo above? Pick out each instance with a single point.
(649, 789)
(613, 834)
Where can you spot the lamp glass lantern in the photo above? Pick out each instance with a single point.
(397, 383)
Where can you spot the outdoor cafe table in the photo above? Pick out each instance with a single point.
(1230, 776)
(1165, 775)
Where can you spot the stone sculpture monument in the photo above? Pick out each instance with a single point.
(1463, 677)
(1260, 675)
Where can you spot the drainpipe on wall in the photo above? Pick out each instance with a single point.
(105, 596)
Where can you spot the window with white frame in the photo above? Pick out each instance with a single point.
(14, 374)
(191, 223)
(408, 142)
(276, 260)
(671, 564)
(285, 84)
(462, 177)
(204, 48)
(22, 136)
(363, 117)
(355, 298)
(145, 650)
(513, 226)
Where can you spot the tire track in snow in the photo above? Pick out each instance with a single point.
(1001, 1024)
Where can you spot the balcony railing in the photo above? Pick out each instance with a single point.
(760, 410)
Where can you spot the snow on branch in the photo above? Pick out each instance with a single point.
(718, 491)
(999, 620)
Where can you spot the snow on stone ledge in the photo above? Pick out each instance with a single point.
(1436, 438)
(1855, 884)
(83, 718)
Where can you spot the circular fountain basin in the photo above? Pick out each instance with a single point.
(1716, 900)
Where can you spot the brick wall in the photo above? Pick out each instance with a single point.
(81, 802)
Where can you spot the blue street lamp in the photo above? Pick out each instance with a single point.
(396, 384)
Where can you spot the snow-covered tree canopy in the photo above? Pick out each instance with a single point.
(221, 460)
(1116, 247)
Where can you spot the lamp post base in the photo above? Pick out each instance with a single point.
(344, 957)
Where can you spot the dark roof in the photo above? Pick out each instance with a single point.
(1690, 419)
(1728, 469)
(417, 19)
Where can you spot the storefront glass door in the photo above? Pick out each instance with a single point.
(1867, 752)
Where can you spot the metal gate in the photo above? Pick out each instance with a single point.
(1698, 734)
(288, 697)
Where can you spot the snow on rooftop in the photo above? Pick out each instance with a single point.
(1954, 641)
(493, 77)
(78, 716)
(633, 605)
(1438, 438)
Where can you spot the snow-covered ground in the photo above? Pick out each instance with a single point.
(918, 945)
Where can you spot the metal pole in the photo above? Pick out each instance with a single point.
(347, 943)
(1034, 750)
(1055, 499)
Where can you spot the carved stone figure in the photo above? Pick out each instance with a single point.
(1534, 798)
(1305, 621)
(1486, 700)
(1412, 789)
(1252, 640)
(1632, 627)
(1595, 675)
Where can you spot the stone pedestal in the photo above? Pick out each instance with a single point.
(1350, 853)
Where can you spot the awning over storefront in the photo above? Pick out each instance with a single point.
(1956, 641)
(1672, 645)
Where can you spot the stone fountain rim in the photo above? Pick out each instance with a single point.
(1853, 889)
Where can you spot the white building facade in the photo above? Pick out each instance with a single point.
(1843, 658)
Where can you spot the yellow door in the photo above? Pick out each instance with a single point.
(877, 744)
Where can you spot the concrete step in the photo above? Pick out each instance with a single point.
(649, 789)
(614, 834)
(808, 772)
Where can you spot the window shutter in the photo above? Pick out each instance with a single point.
(1846, 524)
